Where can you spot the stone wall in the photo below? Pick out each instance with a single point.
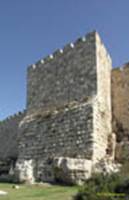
(68, 111)
(9, 144)
(59, 120)
(61, 133)
(120, 111)
(8, 136)
(120, 101)
(102, 105)
(65, 76)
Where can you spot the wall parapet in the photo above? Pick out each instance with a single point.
(11, 117)
(59, 52)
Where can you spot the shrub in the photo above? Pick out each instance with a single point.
(104, 187)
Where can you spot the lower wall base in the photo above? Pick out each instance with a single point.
(65, 134)
(65, 170)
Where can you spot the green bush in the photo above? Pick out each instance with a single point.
(104, 187)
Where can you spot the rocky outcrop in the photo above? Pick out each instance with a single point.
(72, 170)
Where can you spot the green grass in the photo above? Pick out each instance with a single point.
(38, 192)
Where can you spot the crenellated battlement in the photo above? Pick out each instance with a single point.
(12, 117)
(60, 52)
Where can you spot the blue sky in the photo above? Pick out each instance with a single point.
(32, 29)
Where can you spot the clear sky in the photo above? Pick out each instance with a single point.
(32, 29)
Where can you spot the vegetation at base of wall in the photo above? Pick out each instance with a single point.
(6, 178)
(105, 187)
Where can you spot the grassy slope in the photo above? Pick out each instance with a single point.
(38, 192)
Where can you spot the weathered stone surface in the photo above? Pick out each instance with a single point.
(102, 105)
(24, 171)
(122, 151)
(67, 133)
(106, 166)
(9, 130)
(72, 170)
(8, 136)
(120, 101)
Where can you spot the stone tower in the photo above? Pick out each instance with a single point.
(68, 121)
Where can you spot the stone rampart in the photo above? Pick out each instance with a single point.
(120, 101)
(8, 136)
